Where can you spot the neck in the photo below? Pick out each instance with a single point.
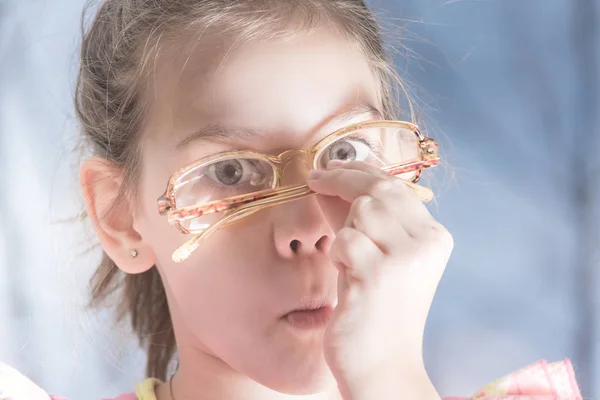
(201, 376)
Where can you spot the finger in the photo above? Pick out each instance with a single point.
(350, 184)
(424, 194)
(388, 223)
(351, 180)
(360, 166)
(347, 184)
(380, 224)
(356, 254)
(376, 172)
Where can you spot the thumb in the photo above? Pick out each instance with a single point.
(348, 293)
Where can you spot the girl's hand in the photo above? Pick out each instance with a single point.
(391, 254)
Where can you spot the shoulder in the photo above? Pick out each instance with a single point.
(544, 379)
(143, 391)
(125, 396)
(16, 386)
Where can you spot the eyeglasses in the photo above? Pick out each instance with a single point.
(223, 188)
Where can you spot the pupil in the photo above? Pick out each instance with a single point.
(343, 151)
(229, 172)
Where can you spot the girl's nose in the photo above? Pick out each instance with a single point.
(301, 229)
(295, 171)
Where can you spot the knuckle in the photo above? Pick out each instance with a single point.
(440, 235)
(345, 244)
(344, 236)
(380, 186)
(337, 173)
(364, 212)
(353, 164)
(403, 189)
(361, 205)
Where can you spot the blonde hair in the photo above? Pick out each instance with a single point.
(116, 59)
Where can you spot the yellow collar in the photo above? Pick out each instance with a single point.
(145, 390)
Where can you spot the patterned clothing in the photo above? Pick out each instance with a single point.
(538, 381)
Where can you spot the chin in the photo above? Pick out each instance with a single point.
(302, 380)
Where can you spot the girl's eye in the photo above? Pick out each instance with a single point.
(233, 172)
(350, 149)
(221, 179)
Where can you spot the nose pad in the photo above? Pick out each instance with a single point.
(296, 169)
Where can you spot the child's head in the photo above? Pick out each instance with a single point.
(152, 72)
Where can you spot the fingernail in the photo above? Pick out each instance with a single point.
(334, 164)
(314, 174)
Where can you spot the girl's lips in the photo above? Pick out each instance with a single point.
(310, 318)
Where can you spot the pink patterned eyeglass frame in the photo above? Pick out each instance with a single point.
(238, 207)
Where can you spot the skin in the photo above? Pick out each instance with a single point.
(366, 243)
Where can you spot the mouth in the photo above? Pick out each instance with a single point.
(311, 314)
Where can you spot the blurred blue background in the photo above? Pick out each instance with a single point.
(509, 87)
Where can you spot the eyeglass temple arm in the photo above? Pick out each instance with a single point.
(185, 250)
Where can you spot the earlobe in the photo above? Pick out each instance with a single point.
(113, 217)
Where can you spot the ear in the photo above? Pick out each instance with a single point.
(113, 216)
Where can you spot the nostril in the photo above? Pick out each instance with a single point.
(322, 243)
(295, 245)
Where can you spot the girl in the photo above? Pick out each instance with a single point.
(278, 116)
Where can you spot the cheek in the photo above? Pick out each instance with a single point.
(221, 293)
(224, 276)
(224, 280)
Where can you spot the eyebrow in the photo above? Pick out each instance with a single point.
(231, 134)
(220, 133)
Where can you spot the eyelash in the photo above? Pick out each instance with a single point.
(363, 140)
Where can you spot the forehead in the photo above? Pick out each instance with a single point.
(294, 85)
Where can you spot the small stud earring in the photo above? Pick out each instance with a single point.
(134, 253)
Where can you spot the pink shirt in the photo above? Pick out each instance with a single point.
(538, 381)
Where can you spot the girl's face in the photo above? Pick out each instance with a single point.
(230, 297)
